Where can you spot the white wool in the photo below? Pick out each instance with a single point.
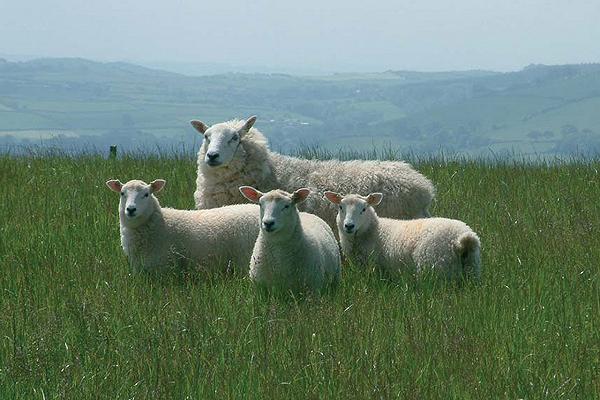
(409, 193)
(445, 245)
(216, 187)
(301, 256)
(211, 240)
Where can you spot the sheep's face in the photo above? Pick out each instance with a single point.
(277, 208)
(354, 211)
(222, 141)
(137, 201)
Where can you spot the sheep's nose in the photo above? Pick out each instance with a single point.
(349, 227)
(268, 224)
(131, 210)
(212, 156)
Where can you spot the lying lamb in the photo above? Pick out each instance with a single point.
(234, 153)
(445, 245)
(154, 237)
(294, 251)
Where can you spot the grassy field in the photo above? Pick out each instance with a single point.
(76, 324)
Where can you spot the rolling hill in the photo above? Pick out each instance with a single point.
(76, 102)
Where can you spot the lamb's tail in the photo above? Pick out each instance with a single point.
(468, 249)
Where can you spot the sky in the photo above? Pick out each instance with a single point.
(326, 35)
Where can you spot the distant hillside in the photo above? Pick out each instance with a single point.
(540, 109)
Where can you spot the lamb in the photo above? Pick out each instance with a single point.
(155, 238)
(295, 251)
(234, 153)
(445, 245)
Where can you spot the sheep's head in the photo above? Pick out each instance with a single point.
(354, 211)
(137, 201)
(277, 208)
(222, 141)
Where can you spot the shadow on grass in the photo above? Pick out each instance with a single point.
(357, 281)
(371, 277)
(177, 275)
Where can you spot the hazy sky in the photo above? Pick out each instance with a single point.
(338, 35)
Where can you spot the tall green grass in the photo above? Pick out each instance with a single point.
(76, 324)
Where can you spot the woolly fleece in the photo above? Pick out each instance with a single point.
(211, 240)
(409, 193)
(303, 256)
(444, 245)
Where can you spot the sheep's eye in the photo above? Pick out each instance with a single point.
(146, 195)
(340, 207)
(286, 206)
(235, 138)
(364, 209)
(122, 193)
(206, 137)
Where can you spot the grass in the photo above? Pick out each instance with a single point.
(76, 324)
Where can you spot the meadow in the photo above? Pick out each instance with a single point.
(76, 324)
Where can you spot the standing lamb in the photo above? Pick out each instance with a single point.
(154, 237)
(445, 245)
(295, 251)
(234, 153)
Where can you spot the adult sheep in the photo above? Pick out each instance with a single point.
(154, 237)
(235, 154)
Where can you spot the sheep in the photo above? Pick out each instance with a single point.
(234, 153)
(445, 245)
(295, 251)
(154, 238)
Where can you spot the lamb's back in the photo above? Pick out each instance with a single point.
(214, 236)
(425, 242)
(322, 246)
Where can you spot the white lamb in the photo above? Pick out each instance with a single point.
(234, 154)
(154, 237)
(444, 245)
(295, 251)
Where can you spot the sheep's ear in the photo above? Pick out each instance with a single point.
(333, 197)
(300, 195)
(199, 126)
(250, 193)
(248, 124)
(374, 199)
(115, 185)
(157, 185)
